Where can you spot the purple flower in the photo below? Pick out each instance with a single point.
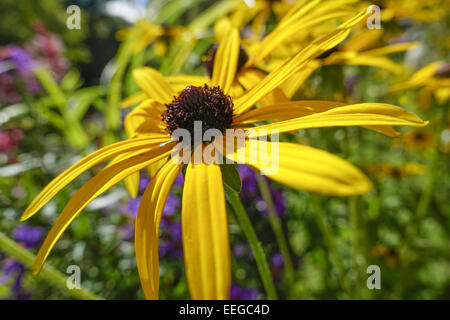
(276, 266)
(277, 261)
(241, 250)
(171, 246)
(278, 202)
(171, 206)
(126, 231)
(239, 293)
(29, 236)
(350, 83)
(21, 59)
(179, 181)
(132, 207)
(249, 182)
(143, 183)
(13, 268)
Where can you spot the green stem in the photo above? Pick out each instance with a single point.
(114, 95)
(319, 216)
(252, 238)
(275, 223)
(48, 273)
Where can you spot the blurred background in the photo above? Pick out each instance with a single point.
(60, 95)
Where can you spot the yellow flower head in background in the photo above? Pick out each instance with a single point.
(432, 80)
(204, 220)
(382, 170)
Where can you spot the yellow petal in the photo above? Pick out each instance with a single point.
(398, 47)
(251, 77)
(304, 168)
(222, 28)
(133, 99)
(205, 233)
(420, 78)
(279, 35)
(104, 180)
(132, 184)
(292, 85)
(154, 168)
(357, 59)
(86, 163)
(145, 118)
(179, 82)
(154, 85)
(226, 60)
(287, 110)
(363, 114)
(148, 220)
(132, 181)
(296, 109)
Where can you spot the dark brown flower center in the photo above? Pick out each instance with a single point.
(208, 61)
(211, 106)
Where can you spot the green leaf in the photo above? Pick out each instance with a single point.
(231, 177)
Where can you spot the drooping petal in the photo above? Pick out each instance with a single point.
(154, 85)
(147, 227)
(104, 180)
(226, 60)
(132, 184)
(154, 167)
(302, 167)
(86, 163)
(205, 233)
(363, 114)
(132, 181)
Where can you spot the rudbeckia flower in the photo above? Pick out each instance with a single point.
(420, 10)
(361, 49)
(383, 169)
(145, 33)
(432, 80)
(206, 246)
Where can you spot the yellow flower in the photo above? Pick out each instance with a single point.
(204, 220)
(361, 49)
(421, 10)
(390, 255)
(382, 170)
(433, 79)
(420, 139)
(145, 33)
